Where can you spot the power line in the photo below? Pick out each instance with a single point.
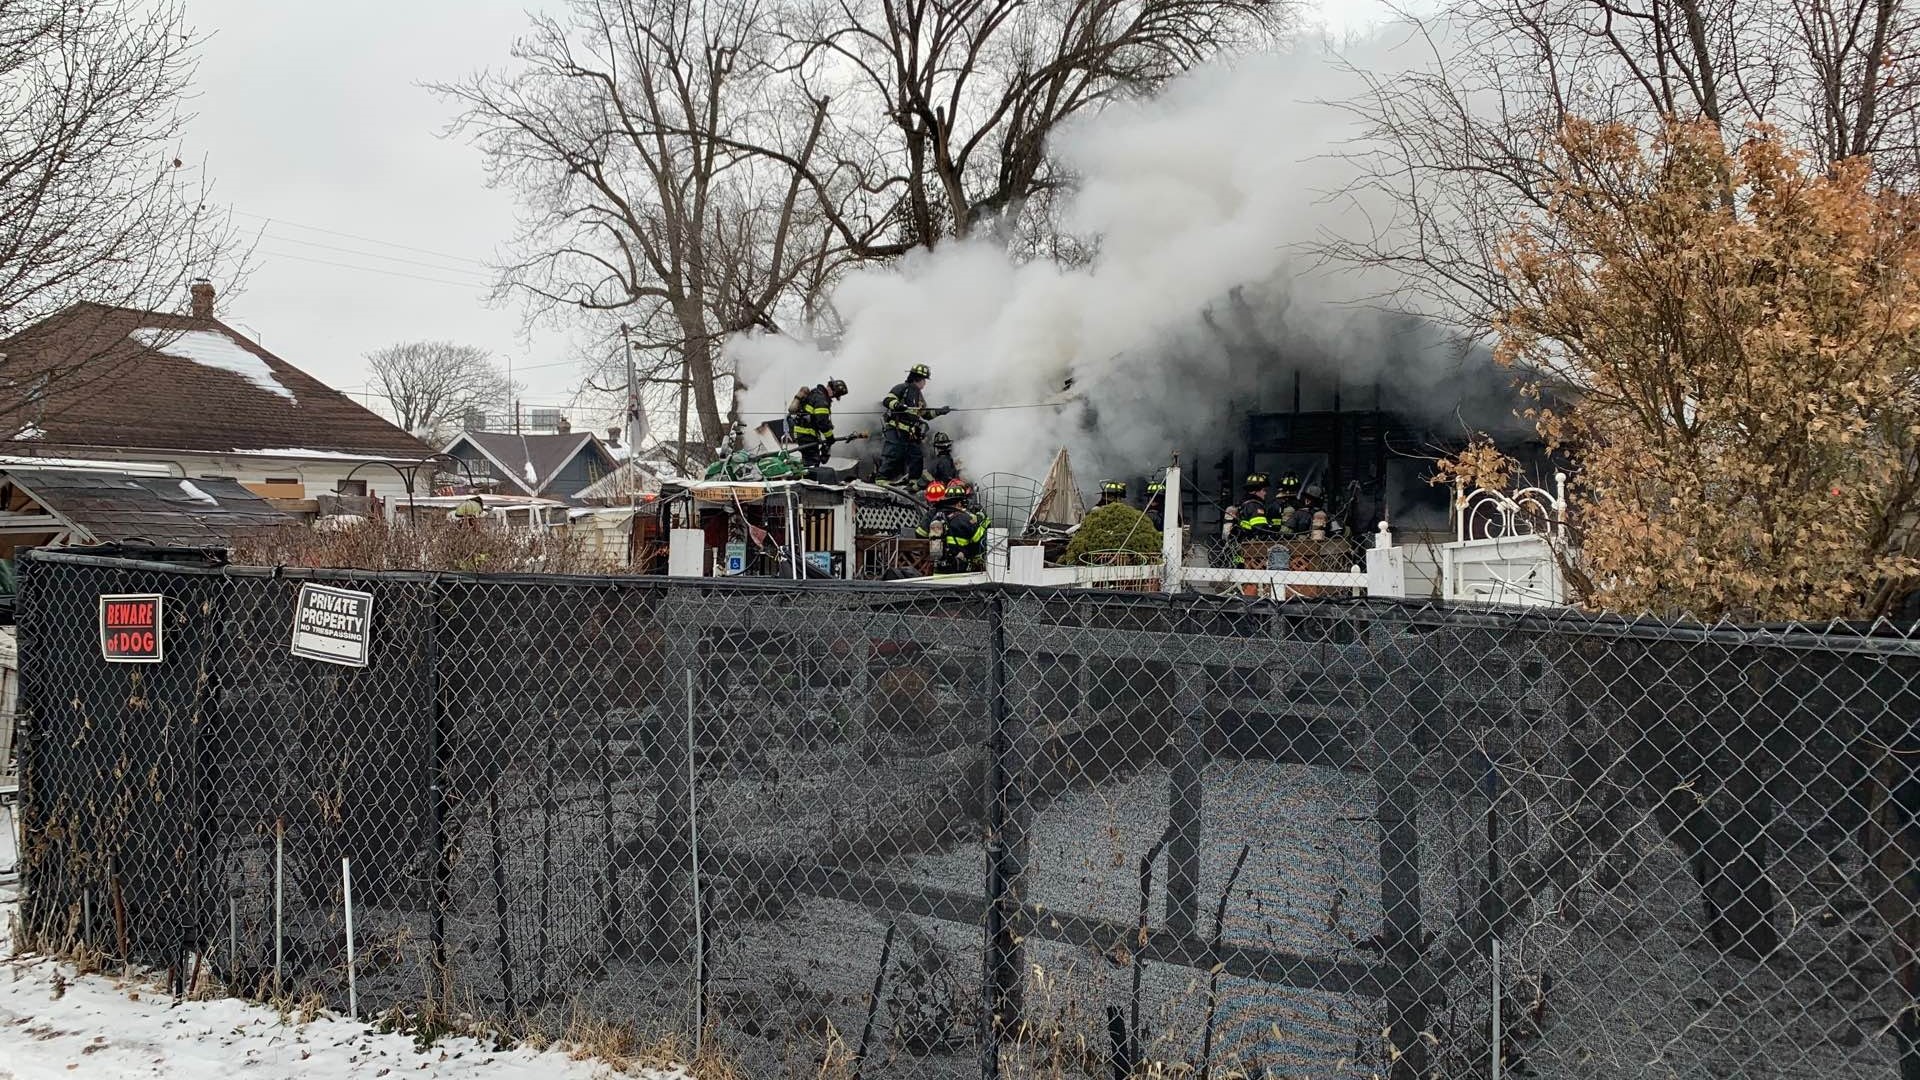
(476, 285)
(364, 254)
(362, 239)
(957, 408)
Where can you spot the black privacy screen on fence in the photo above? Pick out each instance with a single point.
(911, 831)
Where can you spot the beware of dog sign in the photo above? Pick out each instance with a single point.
(130, 629)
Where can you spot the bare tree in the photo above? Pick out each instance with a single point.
(633, 136)
(699, 169)
(429, 386)
(1460, 148)
(942, 108)
(95, 203)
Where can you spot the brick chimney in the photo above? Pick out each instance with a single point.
(563, 426)
(201, 293)
(613, 436)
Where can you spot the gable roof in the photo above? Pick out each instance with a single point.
(166, 511)
(630, 479)
(531, 462)
(140, 380)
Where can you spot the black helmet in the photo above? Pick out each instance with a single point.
(958, 489)
(919, 371)
(1313, 492)
(1289, 481)
(837, 388)
(942, 439)
(1113, 487)
(1155, 487)
(1256, 480)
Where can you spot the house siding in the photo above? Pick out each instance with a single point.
(321, 476)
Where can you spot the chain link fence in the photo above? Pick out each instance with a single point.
(890, 830)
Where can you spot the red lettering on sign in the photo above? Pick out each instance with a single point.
(130, 628)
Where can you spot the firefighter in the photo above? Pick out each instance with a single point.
(1111, 491)
(1282, 513)
(1250, 519)
(938, 506)
(965, 542)
(810, 420)
(907, 415)
(1312, 515)
(1156, 507)
(1250, 522)
(941, 467)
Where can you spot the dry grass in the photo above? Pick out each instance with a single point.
(428, 544)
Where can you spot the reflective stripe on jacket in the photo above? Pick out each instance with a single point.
(814, 421)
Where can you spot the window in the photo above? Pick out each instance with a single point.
(355, 488)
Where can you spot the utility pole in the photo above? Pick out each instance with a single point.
(686, 388)
(633, 386)
(633, 444)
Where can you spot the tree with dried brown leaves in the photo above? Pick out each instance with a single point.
(1463, 145)
(1733, 341)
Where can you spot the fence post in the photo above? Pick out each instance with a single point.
(1002, 975)
(440, 873)
(1402, 937)
(1184, 808)
(667, 854)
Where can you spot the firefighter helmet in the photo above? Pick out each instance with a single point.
(942, 440)
(958, 489)
(1156, 487)
(1290, 482)
(1256, 480)
(1113, 487)
(837, 387)
(919, 371)
(936, 491)
(1313, 492)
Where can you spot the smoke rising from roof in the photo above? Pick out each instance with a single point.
(1203, 201)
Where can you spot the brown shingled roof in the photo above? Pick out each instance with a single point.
(107, 389)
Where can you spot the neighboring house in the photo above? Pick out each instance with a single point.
(190, 396)
(623, 486)
(548, 466)
(66, 507)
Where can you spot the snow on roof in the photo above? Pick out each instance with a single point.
(194, 493)
(303, 452)
(16, 462)
(215, 350)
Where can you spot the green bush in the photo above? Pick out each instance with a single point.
(1115, 527)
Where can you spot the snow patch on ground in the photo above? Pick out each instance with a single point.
(55, 1025)
(214, 350)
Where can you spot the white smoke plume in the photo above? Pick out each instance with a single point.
(1202, 200)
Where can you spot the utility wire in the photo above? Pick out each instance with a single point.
(476, 285)
(362, 239)
(284, 239)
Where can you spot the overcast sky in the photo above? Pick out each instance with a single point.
(376, 230)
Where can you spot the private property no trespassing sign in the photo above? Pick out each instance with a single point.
(333, 625)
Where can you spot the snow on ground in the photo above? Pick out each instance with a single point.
(54, 1024)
